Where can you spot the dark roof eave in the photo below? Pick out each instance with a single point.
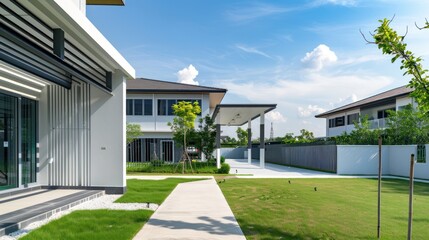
(174, 91)
(342, 109)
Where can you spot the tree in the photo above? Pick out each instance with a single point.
(242, 136)
(183, 122)
(133, 132)
(391, 43)
(205, 138)
(289, 139)
(361, 135)
(229, 140)
(306, 136)
(407, 126)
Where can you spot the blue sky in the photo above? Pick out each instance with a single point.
(306, 56)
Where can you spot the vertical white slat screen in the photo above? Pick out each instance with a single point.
(69, 136)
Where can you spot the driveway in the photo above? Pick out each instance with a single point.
(240, 166)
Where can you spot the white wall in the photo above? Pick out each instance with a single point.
(108, 135)
(363, 160)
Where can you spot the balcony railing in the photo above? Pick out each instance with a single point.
(378, 123)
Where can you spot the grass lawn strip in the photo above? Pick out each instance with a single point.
(152, 191)
(93, 224)
(339, 209)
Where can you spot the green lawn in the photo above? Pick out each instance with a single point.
(152, 191)
(339, 209)
(93, 224)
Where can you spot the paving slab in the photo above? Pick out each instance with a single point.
(194, 210)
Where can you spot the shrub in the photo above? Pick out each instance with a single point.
(224, 168)
(222, 159)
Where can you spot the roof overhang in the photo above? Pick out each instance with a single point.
(240, 114)
(78, 29)
(105, 2)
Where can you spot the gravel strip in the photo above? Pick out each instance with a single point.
(103, 202)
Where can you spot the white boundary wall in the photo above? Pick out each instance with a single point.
(363, 160)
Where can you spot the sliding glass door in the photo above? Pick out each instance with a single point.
(8, 139)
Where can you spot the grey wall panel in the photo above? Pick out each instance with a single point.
(319, 157)
(69, 135)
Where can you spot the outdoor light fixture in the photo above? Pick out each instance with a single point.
(9, 70)
(19, 84)
(51, 160)
(18, 92)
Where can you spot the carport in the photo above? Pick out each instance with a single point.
(238, 115)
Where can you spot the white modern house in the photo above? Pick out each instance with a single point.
(149, 104)
(342, 119)
(62, 99)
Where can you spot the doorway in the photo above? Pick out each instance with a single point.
(8, 140)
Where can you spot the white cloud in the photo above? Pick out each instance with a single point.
(321, 56)
(310, 110)
(346, 3)
(252, 50)
(344, 101)
(188, 75)
(275, 116)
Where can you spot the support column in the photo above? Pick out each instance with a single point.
(262, 141)
(218, 141)
(249, 141)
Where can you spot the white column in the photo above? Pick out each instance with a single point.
(218, 140)
(249, 141)
(262, 141)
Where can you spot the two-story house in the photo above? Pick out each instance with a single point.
(342, 119)
(149, 104)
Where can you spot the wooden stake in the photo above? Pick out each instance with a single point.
(410, 204)
(379, 188)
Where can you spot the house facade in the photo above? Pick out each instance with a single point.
(341, 119)
(62, 99)
(149, 104)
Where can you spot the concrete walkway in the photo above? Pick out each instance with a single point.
(194, 210)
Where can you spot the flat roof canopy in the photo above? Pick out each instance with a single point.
(239, 114)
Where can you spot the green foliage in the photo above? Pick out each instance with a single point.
(224, 168)
(222, 159)
(407, 126)
(184, 121)
(242, 135)
(152, 191)
(94, 225)
(133, 132)
(305, 137)
(391, 43)
(229, 141)
(205, 137)
(150, 167)
(361, 135)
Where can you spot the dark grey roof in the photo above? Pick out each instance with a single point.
(379, 98)
(151, 85)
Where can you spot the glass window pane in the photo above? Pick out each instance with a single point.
(170, 107)
(130, 107)
(162, 103)
(148, 107)
(8, 147)
(138, 107)
(28, 140)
